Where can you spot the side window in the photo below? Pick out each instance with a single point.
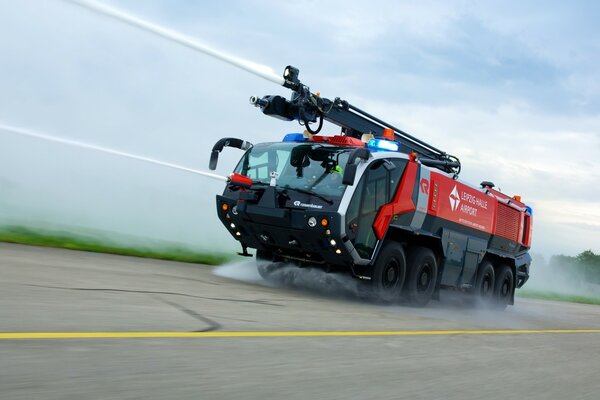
(377, 184)
(396, 174)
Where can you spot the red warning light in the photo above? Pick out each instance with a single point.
(340, 140)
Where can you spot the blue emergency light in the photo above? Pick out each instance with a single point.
(530, 210)
(294, 137)
(383, 144)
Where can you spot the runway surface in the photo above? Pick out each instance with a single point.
(79, 325)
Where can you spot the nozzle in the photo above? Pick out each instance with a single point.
(258, 102)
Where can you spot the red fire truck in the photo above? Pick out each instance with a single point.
(374, 202)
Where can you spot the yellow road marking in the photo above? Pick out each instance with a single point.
(141, 335)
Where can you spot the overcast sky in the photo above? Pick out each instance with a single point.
(511, 87)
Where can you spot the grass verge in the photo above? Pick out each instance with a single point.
(543, 295)
(70, 241)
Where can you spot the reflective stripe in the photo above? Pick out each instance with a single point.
(422, 199)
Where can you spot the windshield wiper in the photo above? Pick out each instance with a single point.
(259, 183)
(311, 193)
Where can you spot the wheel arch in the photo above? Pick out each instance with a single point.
(415, 238)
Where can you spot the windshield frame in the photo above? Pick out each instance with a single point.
(306, 167)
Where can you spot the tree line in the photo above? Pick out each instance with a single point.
(583, 267)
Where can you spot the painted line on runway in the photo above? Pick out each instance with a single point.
(174, 335)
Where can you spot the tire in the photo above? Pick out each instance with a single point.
(389, 273)
(265, 264)
(484, 286)
(421, 277)
(504, 287)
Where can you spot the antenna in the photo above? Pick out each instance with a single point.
(257, 69)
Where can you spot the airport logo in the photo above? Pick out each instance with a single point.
(454, 199)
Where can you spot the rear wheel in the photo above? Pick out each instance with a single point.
(504, 287)
(421, 277)
(389, 272)
(484, 287)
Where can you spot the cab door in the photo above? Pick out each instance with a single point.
(376, 188)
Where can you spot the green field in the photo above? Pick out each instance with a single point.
(547, 295)
(21, 235)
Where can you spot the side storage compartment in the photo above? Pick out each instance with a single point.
(462, 256)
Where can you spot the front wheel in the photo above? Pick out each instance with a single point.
(389, 272)
(265, 263)
(422, 276)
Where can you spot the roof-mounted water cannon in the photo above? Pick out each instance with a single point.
(308, 108)
(303, 106)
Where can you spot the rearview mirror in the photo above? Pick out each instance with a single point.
(350, 170)
(226, 142)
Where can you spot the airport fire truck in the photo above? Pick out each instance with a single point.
(373, 202)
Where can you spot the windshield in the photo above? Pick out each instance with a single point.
(303, 166)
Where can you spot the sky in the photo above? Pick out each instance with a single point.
(512, 88)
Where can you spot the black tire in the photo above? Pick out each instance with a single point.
(504, 287)
(421, 276)
(484, 286)
(265, 263)
(389, 273)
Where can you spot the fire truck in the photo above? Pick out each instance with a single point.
(374, 202)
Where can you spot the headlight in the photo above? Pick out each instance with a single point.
(312, 222)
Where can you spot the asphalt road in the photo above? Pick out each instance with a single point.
(46, 291)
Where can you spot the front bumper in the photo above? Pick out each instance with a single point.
(286, 232)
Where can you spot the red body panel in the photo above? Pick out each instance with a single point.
(457, 202)
(487, 211)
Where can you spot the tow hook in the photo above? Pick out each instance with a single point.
(245, 252)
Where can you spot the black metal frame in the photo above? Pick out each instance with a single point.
(308, 108)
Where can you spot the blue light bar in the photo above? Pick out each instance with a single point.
(383, 144)
(294, 137)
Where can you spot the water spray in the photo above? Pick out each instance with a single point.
(257, 69)
(74, 143)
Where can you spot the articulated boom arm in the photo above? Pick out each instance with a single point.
(308, 108)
